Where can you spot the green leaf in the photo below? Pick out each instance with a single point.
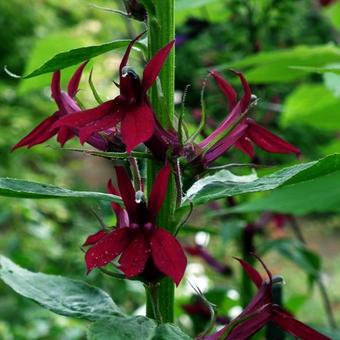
(76, 56)
(133, 327)
(314, 105)
(275, 66)
(333, 12)
(58, 294)
(321, 69)
(325, 172)
(315, 189)
(185, 5)
(13, 187)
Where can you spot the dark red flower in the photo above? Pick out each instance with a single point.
(131, 108)
(260, 311)
(238, 130)
(144, 248)
(66, 106)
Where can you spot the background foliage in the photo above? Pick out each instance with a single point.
(288, 51)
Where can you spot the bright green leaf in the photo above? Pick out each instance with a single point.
(13, 187)
(314, 105)
(321, 69)
(333, 12)
(58, 294)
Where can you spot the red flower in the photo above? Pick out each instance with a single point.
(131, 108)
(66, 106)
(238, 130)
(145, 250)
(260, 311)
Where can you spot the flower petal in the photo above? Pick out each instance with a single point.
(226, 88)
(94, 238)
(39, 134)
(121, 214)
(268, 141)
(168, 255)
(82, 118)
(137, 126)
(107, 248)
(154, 66)
(127, 192)
(295, 327)
(64, 134)
(55, 86)
(135, 255)
(73, 84)
(245, 146)
(158, 192)
(127, 53)
(253, 274)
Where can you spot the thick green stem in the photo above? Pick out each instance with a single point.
(161, 30)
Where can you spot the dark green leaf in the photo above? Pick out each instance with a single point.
(25, 189)
(58, 294)
(133, 328)
(76, 56)
(224, 183)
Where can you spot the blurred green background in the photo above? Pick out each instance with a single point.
(288, 51)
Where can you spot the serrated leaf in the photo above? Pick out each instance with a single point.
(58, 294)
(76, 56)
(12, 187)
(133, 328)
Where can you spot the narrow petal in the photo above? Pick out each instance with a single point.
(253, 274)
(64, 134)
(94, 238)
(268, 141)
(158, 192)
(226, 88)
(83, 118)
(127, 192)
(39, 134)
(73, 84)
(154, 66)
(55, 86)
(245, 100)
(137, 126)
(245, 146)
(295, 327)
(104, 123)
(168, 255)
(127, 53)
(107, 248)
(121, 214)
(135, 255)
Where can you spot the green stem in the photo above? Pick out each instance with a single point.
(161, 30)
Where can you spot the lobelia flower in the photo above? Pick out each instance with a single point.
(66, 106)
(145, 250)
(131, 108)
(260, 311)
(237, 129)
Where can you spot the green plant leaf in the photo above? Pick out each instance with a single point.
(58, 294)
(133, 327)
(275, 66)
(76, 56)
(313, 105)
(224, 183)
(13, 187)
(185, 5)
(321, 69)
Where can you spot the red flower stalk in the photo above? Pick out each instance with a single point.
(238, 130)
(199, 251)
(260, 311)
(145, 249)
(130, 108)
(66, 106)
